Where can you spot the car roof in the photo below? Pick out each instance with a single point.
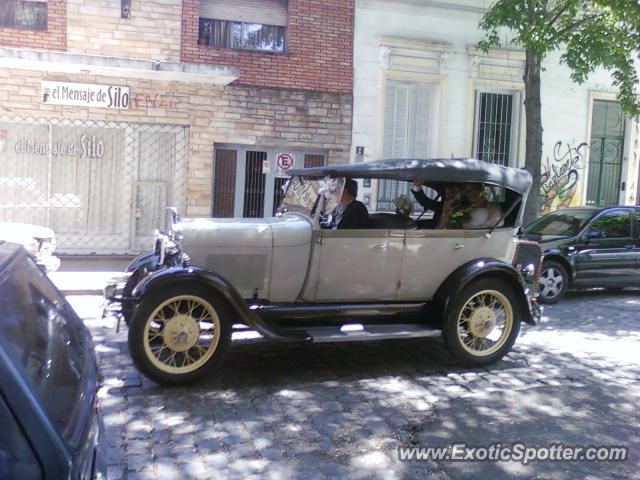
(593, 208)
(430, 169)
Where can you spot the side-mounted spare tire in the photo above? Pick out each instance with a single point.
(179, 333)
(482, 323)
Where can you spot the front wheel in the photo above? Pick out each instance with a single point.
(483, 323)
(177, 334)
(554, 281)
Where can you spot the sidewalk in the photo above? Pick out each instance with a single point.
(87, 275)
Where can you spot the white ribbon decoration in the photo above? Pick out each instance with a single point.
(327, 186)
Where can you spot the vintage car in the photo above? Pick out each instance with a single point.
(291, 280)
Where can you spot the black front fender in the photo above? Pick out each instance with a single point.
(148, 261)
(484, 267)
(180, 275)
(138, 268)
(168, 277)
(567, 260)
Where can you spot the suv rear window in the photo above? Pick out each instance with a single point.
(43, 341)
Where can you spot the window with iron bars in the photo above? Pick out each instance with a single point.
(244, 24)
(23, 14)
(247, 182)
(240, 35)
(496, 127)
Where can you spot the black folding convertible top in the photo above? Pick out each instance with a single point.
(430, 169)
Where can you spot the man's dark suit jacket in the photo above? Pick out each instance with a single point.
(355, 215)
(429, 204)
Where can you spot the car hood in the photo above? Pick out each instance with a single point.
(547, 241)
(242, 251)
(288, 230)
(24, 233)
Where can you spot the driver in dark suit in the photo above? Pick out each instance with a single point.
(350, 213)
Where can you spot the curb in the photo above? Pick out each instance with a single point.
(68, 292)
(81, 283)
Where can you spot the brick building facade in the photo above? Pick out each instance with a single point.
(54, 37)
(319, 53)
(198, 126)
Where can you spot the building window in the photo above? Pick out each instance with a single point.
(496, 127)
(606, 153)
(248, 182)
(23, 14)
(244, 24)
(254, 185)
(244, 36)
(409, 132)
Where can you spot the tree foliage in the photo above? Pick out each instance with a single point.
(588, 34)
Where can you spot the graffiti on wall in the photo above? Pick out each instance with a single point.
(561, 176)
(141, 100)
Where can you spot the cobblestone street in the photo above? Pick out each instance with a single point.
(278, 411)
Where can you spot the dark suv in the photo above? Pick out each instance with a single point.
(587, 247)
(49, 415)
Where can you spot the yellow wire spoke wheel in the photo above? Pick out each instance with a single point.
(177, 333)
(181, 334)
(484, 322)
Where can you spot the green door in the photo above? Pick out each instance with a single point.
(605, 157)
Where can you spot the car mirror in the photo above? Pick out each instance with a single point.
(593, 234)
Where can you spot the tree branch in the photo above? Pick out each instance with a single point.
(573, 26)
(563, 8)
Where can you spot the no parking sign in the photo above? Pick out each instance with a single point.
(285, 161)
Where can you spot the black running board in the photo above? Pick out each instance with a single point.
(294, 311)
(319, 323)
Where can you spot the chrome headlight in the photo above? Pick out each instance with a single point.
(165, 246)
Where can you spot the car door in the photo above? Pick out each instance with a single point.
(352, 265)
(607, 251)
(430, 256)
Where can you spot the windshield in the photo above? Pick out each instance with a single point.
(301, 194)
(563, 223)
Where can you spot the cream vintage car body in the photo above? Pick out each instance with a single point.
(289, 279)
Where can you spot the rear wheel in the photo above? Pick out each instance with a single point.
(554, 281)
(177, 334)
(483, 323)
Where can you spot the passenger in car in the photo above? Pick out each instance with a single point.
(467, 207)
(432, 204)
(349, 213)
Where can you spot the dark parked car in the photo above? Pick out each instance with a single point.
(587, 247)
(49, 415)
